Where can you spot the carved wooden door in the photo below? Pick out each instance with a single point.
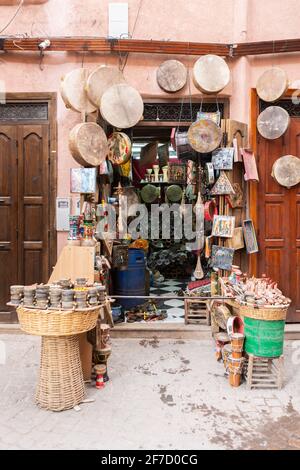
(279, 218)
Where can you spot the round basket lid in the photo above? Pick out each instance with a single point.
(122, 106)
(149, 193)
(211, 74)
(174, 193)
(73, 91)
(100, 80)
(119, 148)
(286, 171)
(171, 76)
(273, 122)
(204, 136)
(272, 84)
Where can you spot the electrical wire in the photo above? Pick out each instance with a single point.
(13, 17)
(131, 35)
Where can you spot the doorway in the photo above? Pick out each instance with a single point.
(276, 209)
(27, 192)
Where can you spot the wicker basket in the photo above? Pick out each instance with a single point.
(266, 313)
(57, 322)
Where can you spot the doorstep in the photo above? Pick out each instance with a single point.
(159, 330)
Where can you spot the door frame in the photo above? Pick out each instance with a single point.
(253, 186)
(51, 99)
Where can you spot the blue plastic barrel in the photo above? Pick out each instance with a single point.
(132, 281)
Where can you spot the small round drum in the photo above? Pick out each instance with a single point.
(88, 144)
(119, 148)
(171, 76)
(211, 74)
(73, 91)
(100, 80)
(122, 106)
(273, 122)
(272, 84)
(204, 136)
(286, 171)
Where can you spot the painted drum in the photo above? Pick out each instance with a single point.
(273, 122)
(272, 84)
(211, 74)
(205, 136)
(119, 148)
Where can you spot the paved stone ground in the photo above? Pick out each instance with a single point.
(162, 395)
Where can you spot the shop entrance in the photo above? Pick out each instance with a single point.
(277, 211)
(27, 191)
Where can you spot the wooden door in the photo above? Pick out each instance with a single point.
(8, 212)
(24, 207)
(279, 218)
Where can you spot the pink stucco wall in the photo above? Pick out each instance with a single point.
(183, 20)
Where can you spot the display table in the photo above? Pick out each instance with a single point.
(60, 386)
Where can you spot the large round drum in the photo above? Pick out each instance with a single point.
(286, 171)
(211, 74)
(171, 76)
(100, 80)
(273, 122)
(204, 136)
(119, 148)
(73, 91)
(272, 84)
(88, 144)
(122, 106)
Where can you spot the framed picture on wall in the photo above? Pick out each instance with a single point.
(83, 180)
(222, 158)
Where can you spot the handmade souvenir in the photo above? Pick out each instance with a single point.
(88, 144)
(73, 91)
(183, 147)
(149, 193)
(222, 158)
(100, 80)
(210, 210)
(171, 76)
(222, 257)
(210, 173)
(273, 122)
(286, 171)
(204, 136)
(198, 273)
(163, 154)
(223, 186)
(211, 74)
(249, 160)
(148, 154)
(177, 173)
(237, 240)
(119, 148)
(250, 237)
(216, 117)
(237, 157)
(122, 106)
(174, 193)
(237, 199)
(272, 84)
(223, 226)
(83, 180)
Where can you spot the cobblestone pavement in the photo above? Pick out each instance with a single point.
(166, 394)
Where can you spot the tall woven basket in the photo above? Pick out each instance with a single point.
(60, 385)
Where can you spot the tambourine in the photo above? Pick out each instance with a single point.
(119, 148)
(210, 210)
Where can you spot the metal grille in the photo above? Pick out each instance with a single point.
(292, 108)
(172, 111)
(24, 112)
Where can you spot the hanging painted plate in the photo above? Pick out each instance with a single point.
(273, 122)
(272, 84)
(204, 136)
(286, 171)
(119, 148)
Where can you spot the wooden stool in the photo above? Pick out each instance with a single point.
(264, 372)
(196, 311)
